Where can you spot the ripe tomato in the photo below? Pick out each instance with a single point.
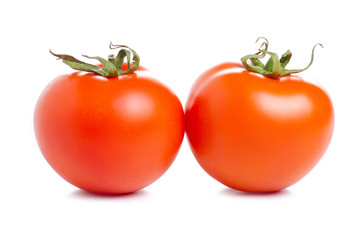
(254, 133)
(109, 135)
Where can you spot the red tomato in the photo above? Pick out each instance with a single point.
(109, 136)
(254, 133)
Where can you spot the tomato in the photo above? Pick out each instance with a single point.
(109, 135)
(254, 133)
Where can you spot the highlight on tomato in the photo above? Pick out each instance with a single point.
(258, 127)
(109, 128)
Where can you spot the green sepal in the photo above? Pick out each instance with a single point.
(111, 67)
(112, 59)
(291, 71)
(269, 65)
(284, 60)
(120, 58)
(79, 65)
(253, 68)
(127, 51)
(128, 54)
(108, 66)
(256, 62)
(274, 67)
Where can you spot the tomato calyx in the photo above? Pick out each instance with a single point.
(274, 67)
(111, 67)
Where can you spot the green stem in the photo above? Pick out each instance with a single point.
(111, 67)
(275, 67)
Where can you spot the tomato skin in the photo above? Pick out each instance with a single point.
(257, 134)
(109, 136)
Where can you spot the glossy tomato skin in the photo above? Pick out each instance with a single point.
(109, 136)
(257, 134)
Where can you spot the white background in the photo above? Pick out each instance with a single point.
(177, 41)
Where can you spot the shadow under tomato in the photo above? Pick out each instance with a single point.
(237, 193)
(89, 195)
